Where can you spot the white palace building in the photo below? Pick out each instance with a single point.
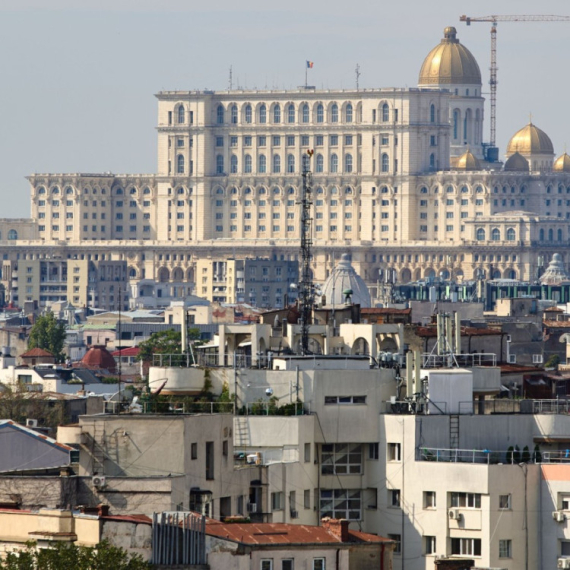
(401, 181)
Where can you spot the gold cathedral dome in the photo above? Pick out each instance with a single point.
(562, 163)
(467, 161)
(517, 163)
(530, 140)
(450, 63)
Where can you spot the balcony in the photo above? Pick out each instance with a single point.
(489, 457)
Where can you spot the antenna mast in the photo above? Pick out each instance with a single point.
(306, 293)
(357, 72)
(230, 82)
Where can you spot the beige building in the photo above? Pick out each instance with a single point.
(400, 178)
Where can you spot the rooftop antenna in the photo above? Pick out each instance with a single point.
(306, 289)
(230, 82)
(357, 72)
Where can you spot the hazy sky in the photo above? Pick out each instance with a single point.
(78, 79)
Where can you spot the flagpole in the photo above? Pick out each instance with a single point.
(306, 71)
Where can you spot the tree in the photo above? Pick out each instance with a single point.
(553, 361)
(162, 342)
(103, 557)
(48, 333)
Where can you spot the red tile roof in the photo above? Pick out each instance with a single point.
(283, 533)
(131, 351)
(36, 352)
(137, 519)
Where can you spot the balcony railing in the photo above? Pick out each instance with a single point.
(490, 457)
(467, 360)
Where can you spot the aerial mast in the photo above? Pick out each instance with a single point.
(306, 289)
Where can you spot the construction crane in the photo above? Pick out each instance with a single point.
(493, 20)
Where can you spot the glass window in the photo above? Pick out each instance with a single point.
(291, 113)
(385, 112)
(220, 115)
(277, 114)
(334, 113)
(341, 504)
(505, 549)
(341, 458)
(181, 114)
(276, 163)
(305, 111)
(334, 163)
(320, 113)
(263, 114)
(248, 114)
(348, 113)
(234, 114)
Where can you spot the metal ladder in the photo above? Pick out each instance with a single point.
(454, 432)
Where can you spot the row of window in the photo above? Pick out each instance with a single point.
(116, 191)
(263, 228)
(290, 140)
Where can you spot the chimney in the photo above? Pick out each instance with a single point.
(337, 527)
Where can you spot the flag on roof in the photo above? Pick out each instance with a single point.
(310, 64)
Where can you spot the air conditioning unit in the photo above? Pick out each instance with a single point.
(31, 423)
(252, 507)
(98, 481)
(559, 516)
(563, 563)
(454, 515)
(512, 358)
(294, 514)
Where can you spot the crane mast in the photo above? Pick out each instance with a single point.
(493, 20)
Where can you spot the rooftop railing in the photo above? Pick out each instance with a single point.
(462, 360)
(489, 457)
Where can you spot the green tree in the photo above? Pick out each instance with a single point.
(163, 342)
(48, 333)
(103, 557)
(553, 361)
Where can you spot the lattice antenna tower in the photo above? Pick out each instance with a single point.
(306, 287)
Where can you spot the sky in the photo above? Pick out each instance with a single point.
(79, 76)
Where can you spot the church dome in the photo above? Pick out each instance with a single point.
(562, 164)
(467, 161)
(517, 163)
(343, 279)
(450, 63)
(555, 272)
(530, 140)
(99, 357)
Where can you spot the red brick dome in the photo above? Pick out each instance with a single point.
(99, 357)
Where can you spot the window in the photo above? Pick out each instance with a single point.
(263, 114)
(247, 164)
(496, 234)
(287, 564)
(234, 114)
(394, 497)
(334, 113)
(307, 498)
(394, 452)
(290, 141)
(373, 450)
(181, 114)
(341, 504)
(194, 451)
(305, 113)
(262, 167)
(429, 499)
(276, 140)
(505, 549)
(429, 545)
(320, 113)
(209, 460)
(277, 501)
(233, 164)
(334, 163)
(432, 114)
(248, 116)
(307, 452)
(277, 114)
(480, 235)
(341, 458)
(385, 112)
(348, 113)
(466, 500)
(385, 162)
(466, 546)
(291, 113)
(504, 501)
(319, 564)
(320, 163)
(276, 163)
(290, 163)
(398, 540)
(220, 115)
(345, 399)
(219, 164)
(267, 564)
(334, 140)
(348, 163)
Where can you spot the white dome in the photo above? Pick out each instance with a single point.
(555, 272)
(344, 278)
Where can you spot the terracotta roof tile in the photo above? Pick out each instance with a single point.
(36, 352)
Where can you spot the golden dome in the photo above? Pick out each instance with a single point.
(517, 163)
(450, 63)
(562, 164)
(530, 140)
(467, 161)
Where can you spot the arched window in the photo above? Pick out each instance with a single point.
(276, 163)
(263, 114)
(41, 190)
(290, 163)
(385, 190)
(334, 190)
(305, 111)
(219, 164)
(180, 164)
(12, 234)
(348, 162)
(248, 117)
(181, 118)
(551, 235)
(276, 191)
(559, 235)
(306, 161)
(432, 161)
(234, 191)
(55, 190)
(348, 113)
(69, 190)
(432, 114)
(496, 234)
(247, 164)
(277, 114)
(334, 163)
(541, 235)
(291, 113)
(262, 191)
(220, 115)
(511, 235)
(348, 190)
(385, 163)
(119, 191)
(247, 191)
(455, 124)
(320, 163)
(234, 114)
(180, 191)
(132, 272)
(320, 190)
(132, 191)
(233, 164)
(320, 113)
(480, 235)
(385, 113)
(262, 168)
(146, 191)
(334, 113)
(290, 190)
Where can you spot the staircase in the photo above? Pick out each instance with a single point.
(454, 432)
